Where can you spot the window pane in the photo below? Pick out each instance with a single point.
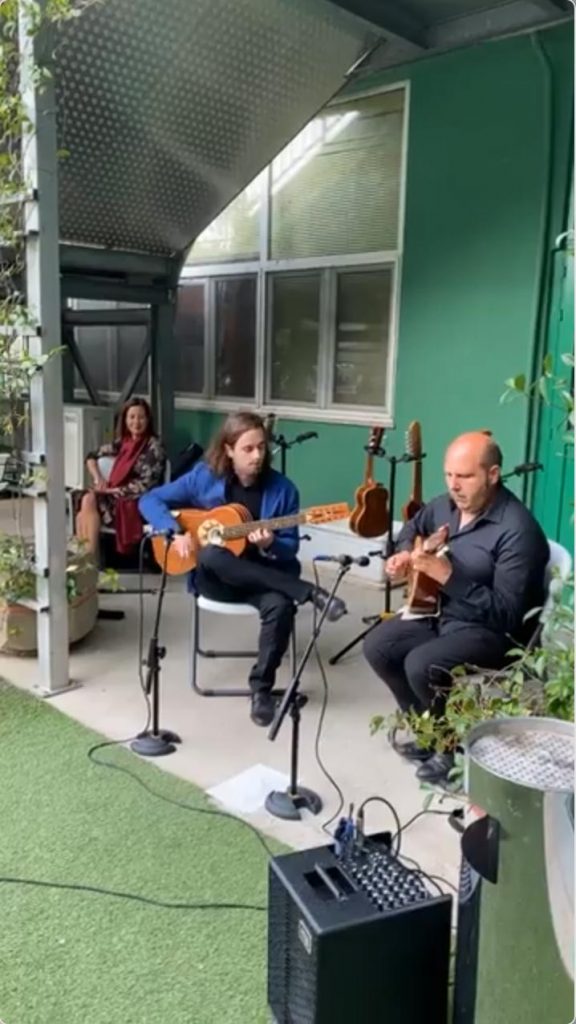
(111, 352)
(235, 336)
(336, 186)
(130, 342)
(295, 311)
(362, 337)
(235, 233)
(189, 339)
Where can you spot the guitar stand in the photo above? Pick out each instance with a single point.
(287, 804)
(393, 461)
(156, 742)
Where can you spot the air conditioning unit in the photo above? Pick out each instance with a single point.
(86, 427)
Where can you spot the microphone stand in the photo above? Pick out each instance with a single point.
(373, 621)
(280, 441)
(156, 742)
(287, 804)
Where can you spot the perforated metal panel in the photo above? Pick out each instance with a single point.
(538, 753)
(168, 109)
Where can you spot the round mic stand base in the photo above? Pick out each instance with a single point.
(149, 745)
(287, 805)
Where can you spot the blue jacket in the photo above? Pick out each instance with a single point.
(201, 488)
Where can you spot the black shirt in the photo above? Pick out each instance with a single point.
(251, 498)
(498, 562)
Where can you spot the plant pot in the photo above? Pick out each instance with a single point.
(18, 634)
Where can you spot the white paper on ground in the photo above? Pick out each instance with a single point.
(245, 793)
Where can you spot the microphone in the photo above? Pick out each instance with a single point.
(152, 532)
(344, 560)
(527, 467)
(306, 437)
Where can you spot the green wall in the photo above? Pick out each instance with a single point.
(475, 189)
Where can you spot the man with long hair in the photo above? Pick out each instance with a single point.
(237, 470)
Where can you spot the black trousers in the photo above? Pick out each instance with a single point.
(273, 589)
(414, 658)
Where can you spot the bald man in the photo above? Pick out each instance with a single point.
(490, 577)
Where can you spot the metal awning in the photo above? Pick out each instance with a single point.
(167, 110)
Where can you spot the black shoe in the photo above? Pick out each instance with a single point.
(436, 769)
(336, 607)
(263, 708)
(410, 751)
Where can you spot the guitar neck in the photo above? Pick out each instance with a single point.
(243, 529)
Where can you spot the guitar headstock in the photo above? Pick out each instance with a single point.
(327, 513)
(375, 440)
(414, 440)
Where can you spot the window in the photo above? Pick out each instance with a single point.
(189, 338)
(297, 280)
(235, 306)
(294, 309)
(111, 352)
(363, 305)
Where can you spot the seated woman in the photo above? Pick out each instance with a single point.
(139, 464)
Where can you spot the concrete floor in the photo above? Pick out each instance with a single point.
(219, 740)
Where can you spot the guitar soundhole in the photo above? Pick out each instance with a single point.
(210, 532)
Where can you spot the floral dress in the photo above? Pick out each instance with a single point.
(148, 472)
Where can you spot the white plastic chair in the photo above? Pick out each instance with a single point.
(205, 604)
(557, 572)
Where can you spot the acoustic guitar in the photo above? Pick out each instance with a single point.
(228, 526)
(414, 449)
(370, 516)
(423, 591)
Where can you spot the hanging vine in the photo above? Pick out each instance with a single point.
(19, 19)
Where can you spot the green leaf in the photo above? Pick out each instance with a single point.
(517, 383)
(543, 388)
(547, 364)
(567, 358)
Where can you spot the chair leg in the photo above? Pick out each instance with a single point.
(196, 650)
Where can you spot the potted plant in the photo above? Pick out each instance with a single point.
(18, 612)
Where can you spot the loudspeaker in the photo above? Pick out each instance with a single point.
(355, 939)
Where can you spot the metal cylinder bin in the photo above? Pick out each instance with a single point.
(520, 772)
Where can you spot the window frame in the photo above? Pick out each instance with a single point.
(328, 267)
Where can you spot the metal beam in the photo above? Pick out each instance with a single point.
(132, 378)
(80, 363)
(40, 164)
(92, 260)
(388, 16)
(495, 22)
(106, 317)
(109, 289)
(162, 369)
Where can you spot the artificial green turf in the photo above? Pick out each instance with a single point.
(77, 958)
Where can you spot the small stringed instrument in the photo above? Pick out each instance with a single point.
(371, 516)
(414, 449)
(228, 526)
(423, 591)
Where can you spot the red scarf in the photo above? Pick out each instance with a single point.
(131, 449)
(127, 520)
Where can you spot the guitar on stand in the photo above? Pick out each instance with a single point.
(371, 516)
(414, 449)
(415, 455)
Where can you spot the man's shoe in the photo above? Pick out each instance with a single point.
(263, 708)
(436, 769)
(409, 750)
(336, 606)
